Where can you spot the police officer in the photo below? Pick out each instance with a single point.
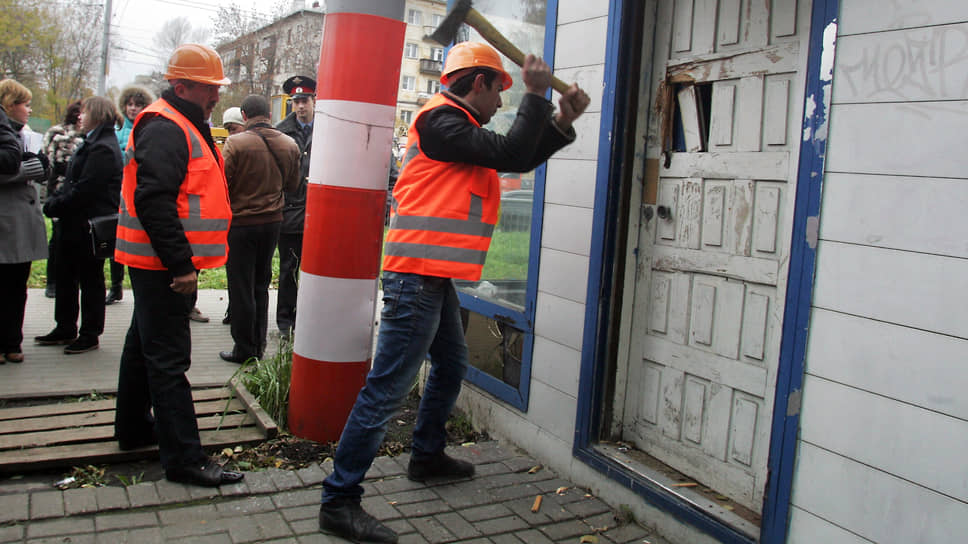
(299, 126)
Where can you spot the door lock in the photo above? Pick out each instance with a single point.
(664, 212)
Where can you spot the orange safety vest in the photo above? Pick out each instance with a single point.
(443, 213)
(203, 202)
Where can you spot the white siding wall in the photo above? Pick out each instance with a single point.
(884, 415)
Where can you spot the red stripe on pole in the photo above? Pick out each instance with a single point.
(344, 231)
(337, 384)
(360, 59)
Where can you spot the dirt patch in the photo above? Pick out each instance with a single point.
(285, 452)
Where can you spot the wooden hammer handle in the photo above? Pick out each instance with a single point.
(475, 20)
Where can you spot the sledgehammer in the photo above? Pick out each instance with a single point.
(464, 12)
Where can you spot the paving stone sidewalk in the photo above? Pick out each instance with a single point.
(278, 506)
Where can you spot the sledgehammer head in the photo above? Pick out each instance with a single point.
(447, 31)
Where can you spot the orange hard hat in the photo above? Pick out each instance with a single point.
(196, 62)
(465, 56)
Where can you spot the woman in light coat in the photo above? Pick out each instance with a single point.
(22, 235)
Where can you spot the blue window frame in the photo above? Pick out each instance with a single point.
(499, 310)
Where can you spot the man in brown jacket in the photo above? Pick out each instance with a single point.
(260, 163)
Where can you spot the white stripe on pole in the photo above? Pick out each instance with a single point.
(345, 137)
(336, 318)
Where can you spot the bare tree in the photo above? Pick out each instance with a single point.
(178, 31)
(69, 61)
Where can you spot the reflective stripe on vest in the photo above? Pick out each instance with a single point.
(207, 235)
(443, 214)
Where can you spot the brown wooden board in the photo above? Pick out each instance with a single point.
(81, 433)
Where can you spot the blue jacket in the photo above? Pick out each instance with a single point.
(123, 133)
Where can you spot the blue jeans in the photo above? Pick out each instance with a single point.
(421, 315)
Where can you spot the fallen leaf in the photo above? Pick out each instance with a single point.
(238, 449)
(588, 539)
(278, 463)
(401, 422)
(466, 444)
(228, 452)
(535, 469)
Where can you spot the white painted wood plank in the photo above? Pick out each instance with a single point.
(806, 528)
(729, 372)
(740, 232)
(721, 121)
(563, 274)
(703, 308)
(591, 79)
(559, 320)
(911, 443)
(772, 166)
(694, 406)
(896, 212)
(917, 367)
(668, 197)
(689, 220)
(581, 43)
(729, 18)
(675, 320)
(567, 229)
(903, 65)
(895, 286)
(857, 143)
(714, 213)
(704, 26)
(745, 416)
(784, 15)
(670, 415)
(777, 111)
(682, 26)
(755, 319)
(766, 219)
(645, 384)
(874, 504)
(752, 269)
(756, 31)
(774, 59)
(715, 440)
(585, 146)
(857, 17)
(749, 114)
(570, 11)
(556, 365)
(689, 114)
(571, 182)
(660, 302)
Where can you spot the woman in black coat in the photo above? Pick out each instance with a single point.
(92, 188)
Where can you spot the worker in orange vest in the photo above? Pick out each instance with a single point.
(444, 209)
(173, 221)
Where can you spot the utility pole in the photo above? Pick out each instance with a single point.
(102, 78)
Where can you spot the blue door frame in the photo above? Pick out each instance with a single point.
(616, 120)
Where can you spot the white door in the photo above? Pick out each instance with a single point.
(726, 102)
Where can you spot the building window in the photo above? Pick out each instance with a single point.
(411, 51)
(433, 87)
(437, 53)
(414, 17)
(437, 19)
(406, 116)
(409, 83)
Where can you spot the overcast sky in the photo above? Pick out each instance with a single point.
(136, 22)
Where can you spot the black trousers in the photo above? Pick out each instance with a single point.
(13, 301)
(156, 356)
(52, 248)
(249, 272)
(290, 252)
(117, 274)
(78, 268)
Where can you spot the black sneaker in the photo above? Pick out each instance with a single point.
(55, 338)
(347, 519)
(440, 466)
(83, 344)
(50, 291)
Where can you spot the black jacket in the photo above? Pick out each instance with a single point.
(162, 157)
(294, 212)
(447, 136)
(92, 186)
(10, 147)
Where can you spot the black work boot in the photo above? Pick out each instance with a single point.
(440, 466)
(347, 519)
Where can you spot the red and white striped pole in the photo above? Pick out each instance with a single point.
(356, 96)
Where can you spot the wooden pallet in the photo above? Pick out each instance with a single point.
(82, 433)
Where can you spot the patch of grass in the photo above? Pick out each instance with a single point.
(508, 257)
(135, 479)
(268, 381)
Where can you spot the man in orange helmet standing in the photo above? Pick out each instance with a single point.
(173, 221)
(444, 209)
